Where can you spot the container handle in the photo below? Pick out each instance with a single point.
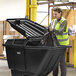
(13, 42)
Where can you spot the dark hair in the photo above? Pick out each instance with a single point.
(58, 10)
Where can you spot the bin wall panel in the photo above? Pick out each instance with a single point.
(15, 58)
(34, 58)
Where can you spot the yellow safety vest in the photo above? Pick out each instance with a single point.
(62, 38)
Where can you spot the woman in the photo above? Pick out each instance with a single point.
(60, 28)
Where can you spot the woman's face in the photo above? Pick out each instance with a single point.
(56, 14)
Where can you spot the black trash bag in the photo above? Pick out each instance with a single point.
(49, 39)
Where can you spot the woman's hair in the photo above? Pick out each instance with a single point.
(58, 10)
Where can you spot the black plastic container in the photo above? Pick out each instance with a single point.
(25, 58)
(30, 57)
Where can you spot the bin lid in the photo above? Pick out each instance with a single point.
(27, 27)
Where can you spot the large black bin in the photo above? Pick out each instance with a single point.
(27, 60)
(26, 57)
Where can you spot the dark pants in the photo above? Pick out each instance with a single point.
(62, 67)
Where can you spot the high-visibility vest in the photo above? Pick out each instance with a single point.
(62, 38)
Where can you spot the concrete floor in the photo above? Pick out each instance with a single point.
(5, 71)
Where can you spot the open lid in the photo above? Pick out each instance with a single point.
(27, 27)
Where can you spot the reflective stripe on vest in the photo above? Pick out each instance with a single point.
(63, 39)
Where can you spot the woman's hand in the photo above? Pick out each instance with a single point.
(51, 28)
